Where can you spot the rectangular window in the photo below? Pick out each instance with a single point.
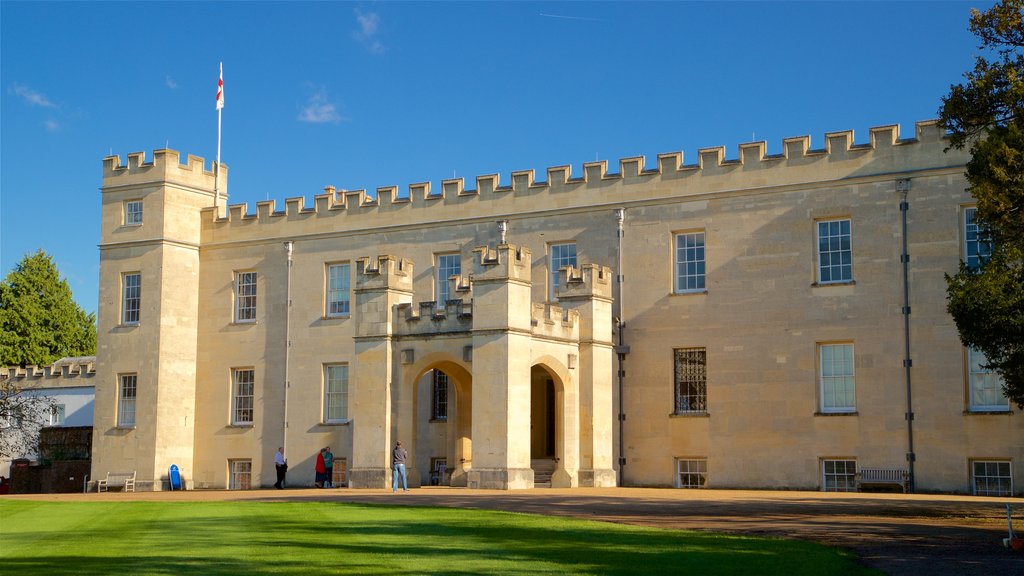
(339, 476)
(335, 392)
(977, 243)
(57, 415)
(448, 265)
(692, 473)
(245, 297)
(338, 298)
(131, 298)
(133, 213)
(839, 475)
(835, 254)
(243, 385)
(991, 478)
(439, 397)
(438, 471)
(838, 388)
(241, 474)
(986, 387)
(126, 399)
(560, 255)
(690, 262)
(691, 380)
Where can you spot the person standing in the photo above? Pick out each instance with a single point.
(398, 456)
(328, 468)
(282, 468)
(321, 470)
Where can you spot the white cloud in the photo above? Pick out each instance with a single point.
(32, 97)
(51, 125)
(320, 110)
(368, 22)
(170, 82)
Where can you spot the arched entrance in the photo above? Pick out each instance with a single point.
(544, 425)
(439, 422)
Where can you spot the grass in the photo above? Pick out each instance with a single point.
(163, 538)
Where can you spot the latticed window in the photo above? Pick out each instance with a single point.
(690, 262)
(241, 474)
(992, 478)
(691, 380)
(839, 475)
(448, 265)
(977, 241)
(126, 400)
(439, 403)
(244, 386)
(335, 392)
(338, 298)
(835, 254)
(692, 473)
(131, 298)
(245, 297)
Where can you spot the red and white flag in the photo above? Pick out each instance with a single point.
(220, 89)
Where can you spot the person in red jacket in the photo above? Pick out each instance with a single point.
(321, 469)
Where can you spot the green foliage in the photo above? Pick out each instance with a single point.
(39, 321)
(987, 111)
(255, 538)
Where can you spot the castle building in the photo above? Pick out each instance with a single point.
(768, 321)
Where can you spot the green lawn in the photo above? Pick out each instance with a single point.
(306, 538)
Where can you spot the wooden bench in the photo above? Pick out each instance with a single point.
(883, 476)
(124, 480)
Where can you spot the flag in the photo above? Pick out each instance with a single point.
(220, 89)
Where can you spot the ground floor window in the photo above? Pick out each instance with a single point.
(438, 471)
(339, 475)
(241, 474)
(692, 473)
(991, 478)
(839, 475)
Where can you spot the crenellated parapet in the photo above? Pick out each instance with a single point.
(384, 272)
(427, 318)
(585, 281)
(506, 262)
(66, 372)
(165, 166)
(554, 322)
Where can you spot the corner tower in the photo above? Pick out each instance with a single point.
(148, 313)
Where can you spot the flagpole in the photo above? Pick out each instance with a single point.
(216, 173)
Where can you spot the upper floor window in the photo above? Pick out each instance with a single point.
(691, 380)
(245, 296)
(57, 412)
(448, 265)
(439, 396)
(243, 395)
(133, 213)
(690, 262)
(338, 298)
(835, 254)
(335, 392)
(131, 297)
(838, 390)
(977, 244)
(986, 387)
(559, 255)
(126, 393)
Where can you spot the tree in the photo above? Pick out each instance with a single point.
(23, 413)
(986, 112)
(39, 321)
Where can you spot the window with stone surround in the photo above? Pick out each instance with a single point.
(977, 243)
(692, 473)
(836, 378)
(835, 252)
(439, 396)
(126, 394)
(447, 265)
(241, 474)
(243, 384)
(338, 293)
(690, 262)
(131, 297)
(992, 478)
(335, 393)
(985, 386)
(245, 296)
(133, 213)
(559, 255)
(839, 475)
(691, 380)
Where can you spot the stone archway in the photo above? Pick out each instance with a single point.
(554, 417)
(453, 443)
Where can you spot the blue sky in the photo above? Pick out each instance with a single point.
(370, 94)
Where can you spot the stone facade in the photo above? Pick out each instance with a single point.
(692, 347)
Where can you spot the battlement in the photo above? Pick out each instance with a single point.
(75, 370)
(586, 281)
(431, 318)
(501, 263)
(840, 156)
(552, 321)
(165, 166)
(384, 272)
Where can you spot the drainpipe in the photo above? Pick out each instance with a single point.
(903, 187)
(287, 340)
(621, 349)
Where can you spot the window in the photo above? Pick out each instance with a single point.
(692, 473)
(131, 298)
(986, 387)
(133, 213)
(839, 475)
(439, 396)
(338, 298)
(245, 297)
(57, 414)
(241, 474)
(242, 400)
(126, 400)
(835, 256)
(691, 380)
(335, 393)
(339, 475)
(560, 255)
(991, 478)
(438, 471)
(690, 262)
(838, 390)
(977, 245)
(448, 265)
